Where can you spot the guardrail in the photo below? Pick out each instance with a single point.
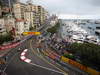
(9, 46)
(84, 68)
(55, 57)
(80, 66)
(64, 61)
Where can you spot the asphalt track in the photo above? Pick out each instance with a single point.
(38, 66)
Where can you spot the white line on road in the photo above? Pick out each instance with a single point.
(46, 68)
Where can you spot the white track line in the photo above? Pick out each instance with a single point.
(29, 61)
(46, 68)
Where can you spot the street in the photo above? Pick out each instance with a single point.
(38, 66)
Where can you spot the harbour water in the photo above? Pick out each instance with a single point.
(80, 28)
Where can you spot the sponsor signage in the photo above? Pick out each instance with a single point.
(31, 33)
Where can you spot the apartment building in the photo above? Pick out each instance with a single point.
(26, 12)
(10, 24)
(0, 12)
(34, 15)
(6, 2)
(2, 27)
(31, 7)
(30, 15)
(42, 14)
(19, 26)
(19, 9)
(21, 16)
(53, 20)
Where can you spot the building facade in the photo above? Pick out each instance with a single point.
(34, 15)
(6, 2)
(0, 12)
(19, 26)
(30, 15)
(42, 14)
(19, 9)
(2, 27)
(10, 24)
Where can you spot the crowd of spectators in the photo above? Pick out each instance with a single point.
(59, 45)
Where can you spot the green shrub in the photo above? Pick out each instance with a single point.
(88, 52)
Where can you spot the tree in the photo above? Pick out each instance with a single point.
(70, 56)
(88, 52)
(1, 39)
(6, 38)
(54, 29)
(0, 3)
(31, 28)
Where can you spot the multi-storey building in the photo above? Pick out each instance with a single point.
(2, 26)
(43, 15)
(7, 25)
(30, 15)
(0, 12)
(19, 9)
(19, 26)
(22, 17)
(10, 24)
(6, 2)
(33, 15)
(53, 20)
(31, 7)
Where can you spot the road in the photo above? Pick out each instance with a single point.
(65, 68)
(38, 66)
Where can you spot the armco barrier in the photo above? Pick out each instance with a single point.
(92, 71)
(9, 46)
(80, 66)
(89, 70)
(64, 59)
(57, 59)
(72, 62)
